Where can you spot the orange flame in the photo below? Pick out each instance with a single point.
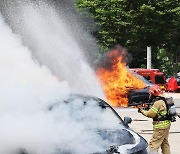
(117, 80)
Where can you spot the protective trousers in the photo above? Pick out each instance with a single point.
(160, 139)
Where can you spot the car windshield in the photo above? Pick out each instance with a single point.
(159, 79)
(92, 112)
(146, 80)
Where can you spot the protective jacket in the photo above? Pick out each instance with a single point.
(157, 111)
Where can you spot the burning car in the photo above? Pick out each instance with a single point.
(138, 96)
(115, 77)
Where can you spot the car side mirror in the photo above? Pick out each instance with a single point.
(150, 81)
(127, 120)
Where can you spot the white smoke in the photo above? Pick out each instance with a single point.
(53, 44)
(28, 89)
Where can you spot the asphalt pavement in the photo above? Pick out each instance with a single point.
(143, 125)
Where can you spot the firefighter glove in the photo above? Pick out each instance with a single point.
(139, 110)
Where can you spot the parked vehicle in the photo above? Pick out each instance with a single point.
(155, 76)
(173, 84)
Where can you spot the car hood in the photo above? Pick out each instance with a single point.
(124, 141)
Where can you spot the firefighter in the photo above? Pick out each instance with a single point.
(161, 126)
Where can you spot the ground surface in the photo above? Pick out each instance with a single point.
(143, 125)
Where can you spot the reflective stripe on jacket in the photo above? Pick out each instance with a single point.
(162, 124)
(158, 110)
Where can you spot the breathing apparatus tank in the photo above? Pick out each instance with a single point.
(171, 108)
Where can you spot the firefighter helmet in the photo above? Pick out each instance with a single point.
(155, 90)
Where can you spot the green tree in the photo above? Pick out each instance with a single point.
(164, 61)
(135, 25)
(172, 44)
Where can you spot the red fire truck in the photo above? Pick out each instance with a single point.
(152, 75)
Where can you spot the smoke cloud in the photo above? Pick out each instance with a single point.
(26, 91)
(34, 77)
(54, 42)
(40, 66)
(109, 59)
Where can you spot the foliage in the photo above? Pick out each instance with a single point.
(136, 25)
(164, 61)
